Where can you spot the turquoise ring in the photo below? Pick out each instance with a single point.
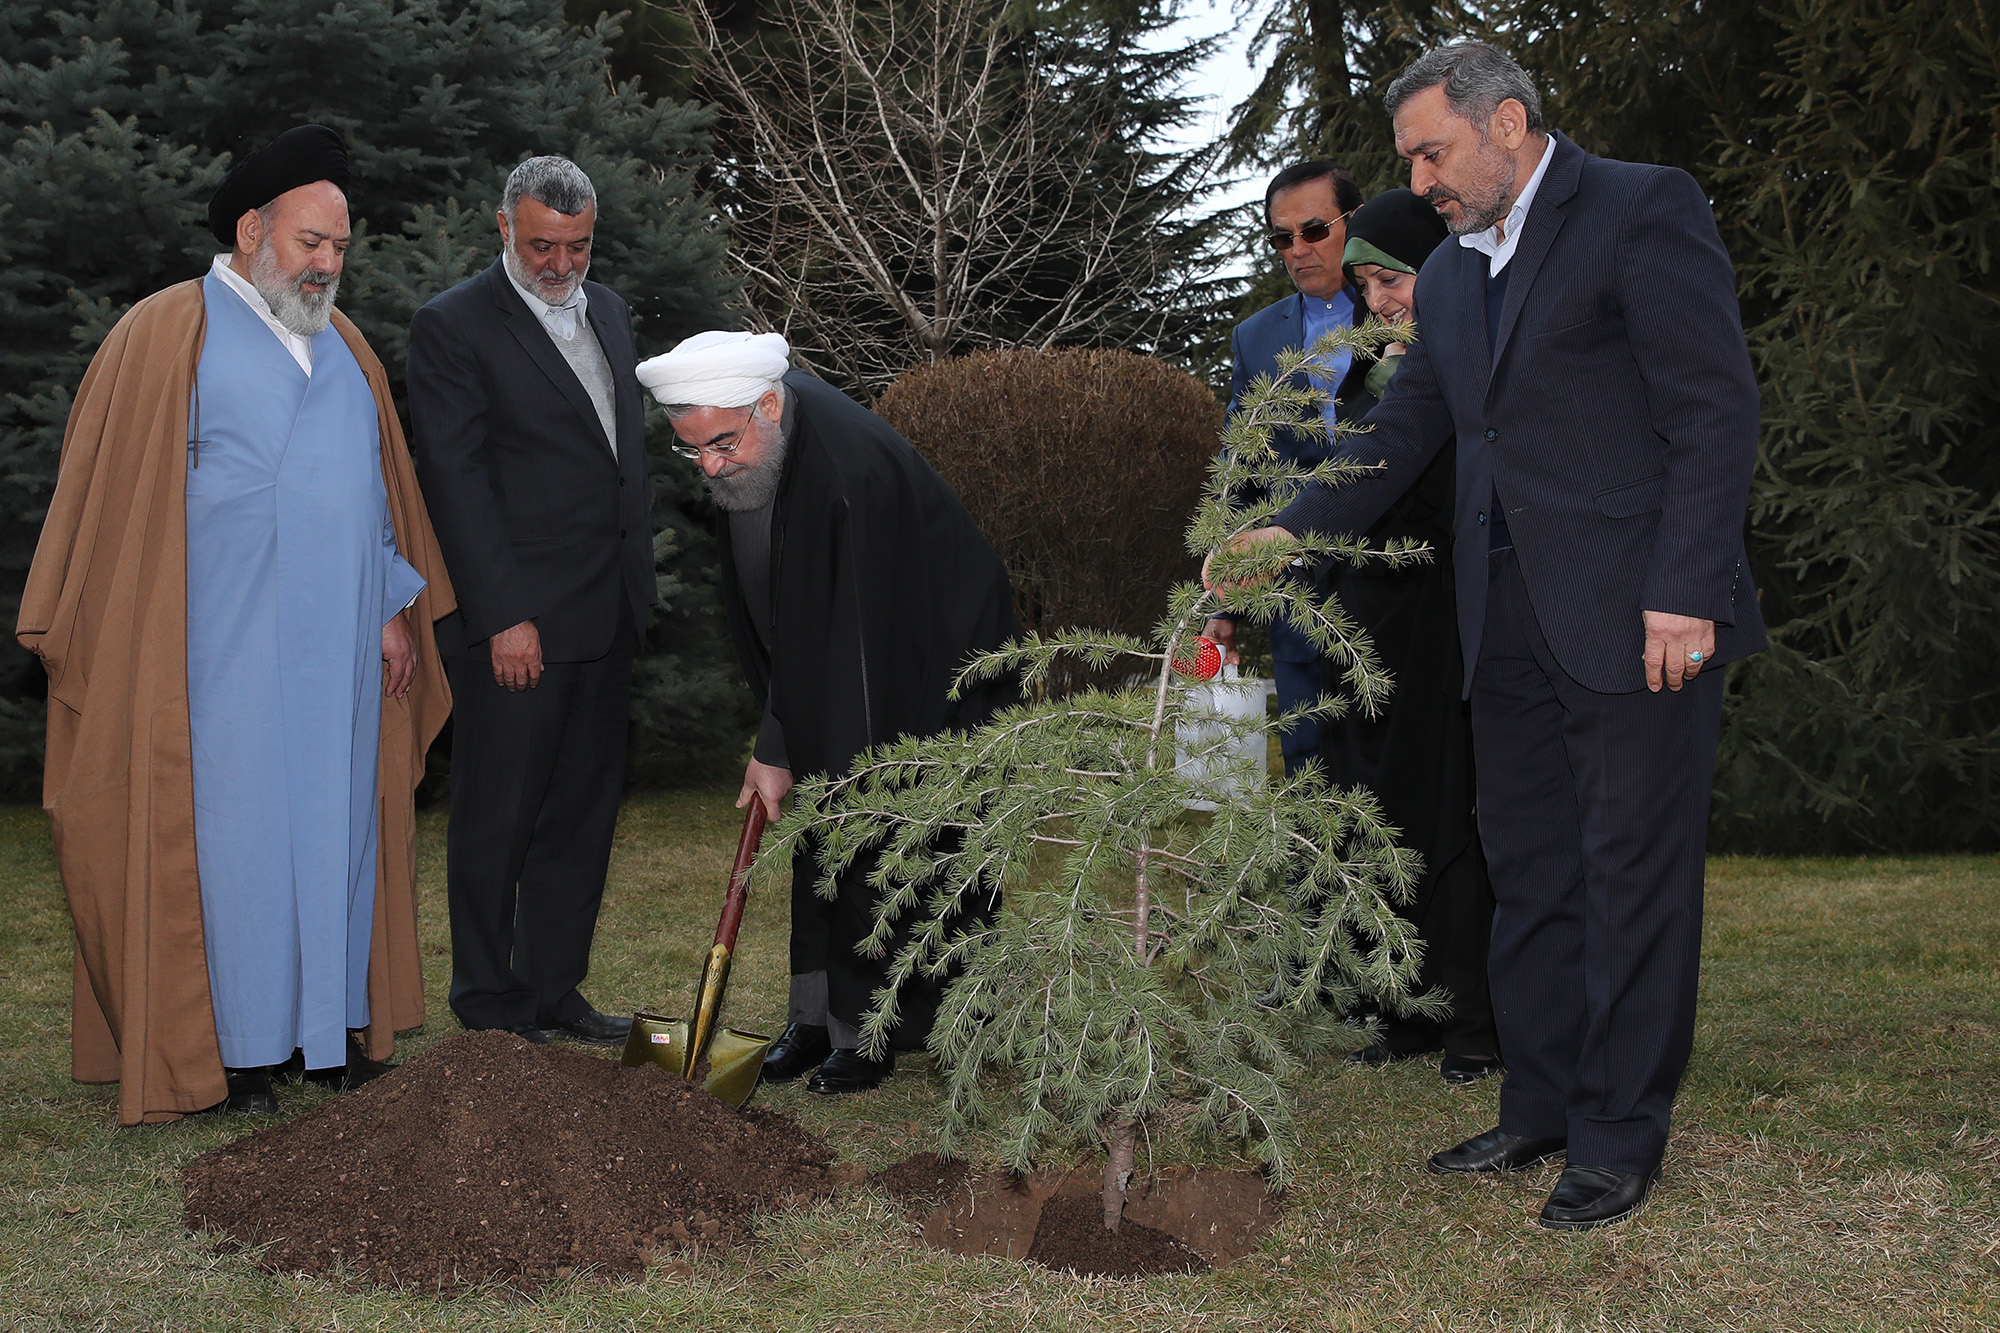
(1695, 657)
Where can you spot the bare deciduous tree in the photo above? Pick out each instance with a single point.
(908, 182)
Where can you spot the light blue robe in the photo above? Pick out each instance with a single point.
(292, 571)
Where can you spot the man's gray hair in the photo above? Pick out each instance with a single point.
(1477, 78)
(554, 182)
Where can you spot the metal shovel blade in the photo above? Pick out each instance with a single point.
(734, 1058)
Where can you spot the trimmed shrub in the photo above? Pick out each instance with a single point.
(1080, 466)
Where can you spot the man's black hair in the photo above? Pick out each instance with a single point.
(1346, 192)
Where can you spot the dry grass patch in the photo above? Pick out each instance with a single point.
(1835, 1167)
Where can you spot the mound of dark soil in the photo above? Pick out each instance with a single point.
(1071, 1235)
(922, 1181)
(490, 1159)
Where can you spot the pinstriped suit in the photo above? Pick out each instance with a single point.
(1615, 416)
(540, 521)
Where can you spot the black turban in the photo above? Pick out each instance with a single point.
(296, 157)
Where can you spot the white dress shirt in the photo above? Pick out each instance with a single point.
(562, 321)
(1497, 242)
(300, 348)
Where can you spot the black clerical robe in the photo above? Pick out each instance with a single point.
(881, 589)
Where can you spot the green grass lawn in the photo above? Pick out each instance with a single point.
(1834, 1166)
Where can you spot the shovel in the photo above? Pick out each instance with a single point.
(734, 1058)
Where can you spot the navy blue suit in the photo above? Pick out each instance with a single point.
(1613, 411)
(1254, 348)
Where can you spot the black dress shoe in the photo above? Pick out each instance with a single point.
(1595, 1196)
(1382, 1051)
(592, 1029)
(529, 1032)
(249, 1093)
(848, 1070)
(358, 1070)
(801, 1049)
(1496, 1150)
(1460, 1069)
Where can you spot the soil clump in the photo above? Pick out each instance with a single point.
(922, 1181)
(1070, 1234)
(487, 1159)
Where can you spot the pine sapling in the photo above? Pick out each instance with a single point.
(1154, 967)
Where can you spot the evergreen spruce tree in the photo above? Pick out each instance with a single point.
(119, 118)
(1117, 981)
(1865, 230)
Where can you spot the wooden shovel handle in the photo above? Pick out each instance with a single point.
(739, 876)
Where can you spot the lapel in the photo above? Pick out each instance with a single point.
(1291, 329)
(541, 349)
(1538, 233)
(1462, 294)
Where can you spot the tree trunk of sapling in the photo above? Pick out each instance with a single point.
(1118, 1170)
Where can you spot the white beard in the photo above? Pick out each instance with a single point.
(304, 313)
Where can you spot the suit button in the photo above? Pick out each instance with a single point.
(621, 481)
(1482, 518)
(1492, 434)
(621, 533)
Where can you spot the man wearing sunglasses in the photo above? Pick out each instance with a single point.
(1306, 207)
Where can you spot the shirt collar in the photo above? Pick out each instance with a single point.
(1492, 242)
(1340, 303)
(297, 344)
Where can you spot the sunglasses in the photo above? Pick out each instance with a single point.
(1312, 234)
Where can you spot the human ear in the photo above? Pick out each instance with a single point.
(249, 231)
(1509, 127)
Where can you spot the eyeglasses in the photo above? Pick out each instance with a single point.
(694, 452)
(1312, 234)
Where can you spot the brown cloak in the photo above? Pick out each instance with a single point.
(106, 610)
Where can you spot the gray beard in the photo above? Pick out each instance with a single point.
(518, 271)
(1492, 201)
(754, 487)
(304, 313)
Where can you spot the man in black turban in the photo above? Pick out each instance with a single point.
(298, 157)
(233, 597)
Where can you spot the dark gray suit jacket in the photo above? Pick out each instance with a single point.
(1616, 413)
(536, 518)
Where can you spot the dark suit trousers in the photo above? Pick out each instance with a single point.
(1594, 812)
(535, 782)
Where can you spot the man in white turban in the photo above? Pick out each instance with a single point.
(857, 586)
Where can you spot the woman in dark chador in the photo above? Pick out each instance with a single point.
(1417, 755)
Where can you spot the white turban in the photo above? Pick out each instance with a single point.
(718, 369)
